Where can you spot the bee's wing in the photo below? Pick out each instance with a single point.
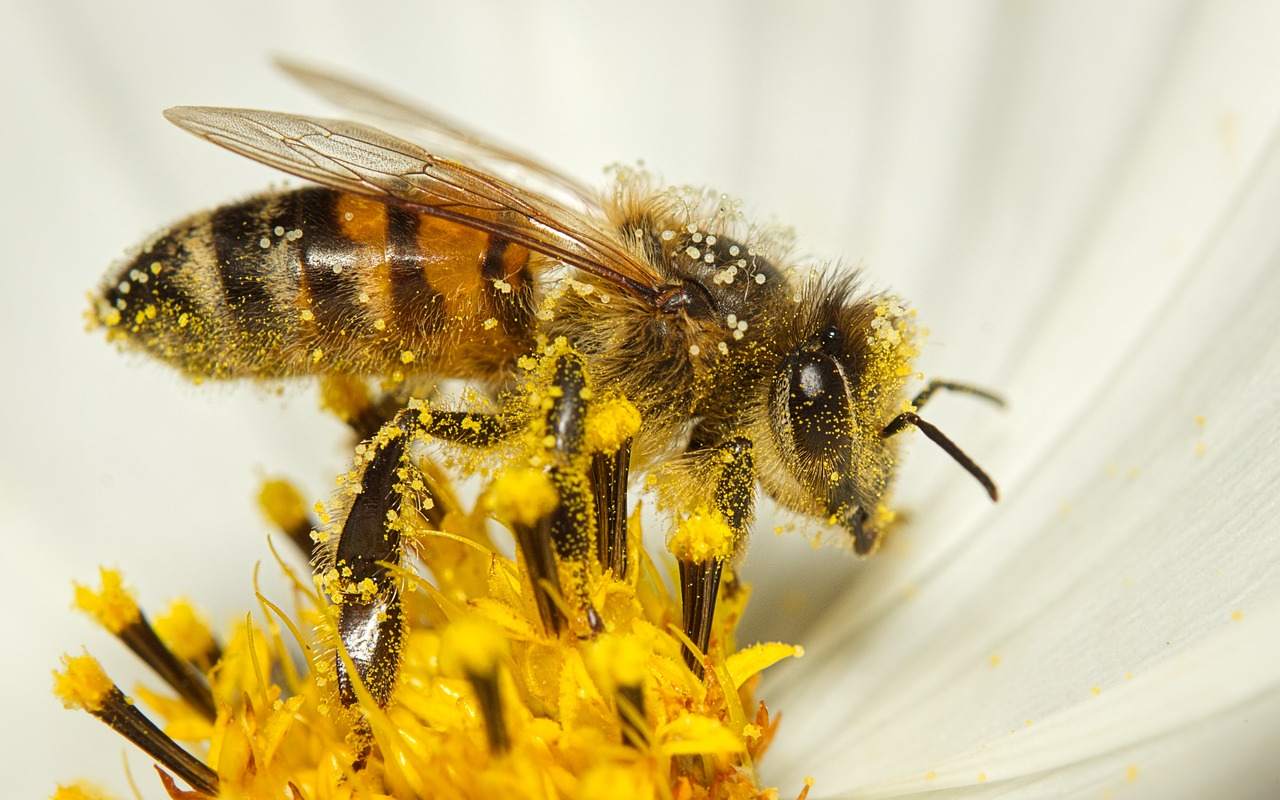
(362, 159)
(452, 138)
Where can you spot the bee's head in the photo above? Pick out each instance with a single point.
(835, 400)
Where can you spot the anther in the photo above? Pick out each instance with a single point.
(186, 633)
(620, 664)
(524, 499)
(116, 610)
(701, 544)
(474, 649)
(283, 505)
(85, 686)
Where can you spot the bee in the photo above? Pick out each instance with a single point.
(743, 371)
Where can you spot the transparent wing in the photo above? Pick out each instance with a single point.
(453, 139)
(362, 159)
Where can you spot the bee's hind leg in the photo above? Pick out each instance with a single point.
(360, 573)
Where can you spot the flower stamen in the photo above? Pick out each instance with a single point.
(114, 607)
(84, 685)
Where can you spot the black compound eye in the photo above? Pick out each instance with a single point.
(818, 403)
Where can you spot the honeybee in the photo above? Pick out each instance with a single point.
(744, 371)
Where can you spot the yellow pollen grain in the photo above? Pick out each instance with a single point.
(82, 684)
(1237, 615)
(1096, 690)
(407, 357)
(490, 324)
(316, 355)
(994, 660)
(306, 315)
(702, 536)
(522, 496)
(183, 319)
(982, 777)
(931, 776)
(112, 605)
(380, 324)
(1131, 773)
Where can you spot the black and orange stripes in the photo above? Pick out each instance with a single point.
(321, 281)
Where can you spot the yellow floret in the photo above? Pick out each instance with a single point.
(617, 782)
(184, 631)
(702, 536)
(522, 496)
(471, 646)
(82, 684)
(610, 424)
(112, 605)
(619, 660)
(283, 504)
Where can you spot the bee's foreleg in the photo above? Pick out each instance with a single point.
(702, 544)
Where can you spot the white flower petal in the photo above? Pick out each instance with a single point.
(1121, 551)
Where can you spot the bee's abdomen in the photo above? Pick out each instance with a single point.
(317, 280)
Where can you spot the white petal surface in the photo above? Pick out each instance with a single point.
(1097, 608)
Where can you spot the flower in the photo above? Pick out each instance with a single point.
(476, 675)
(1042, 181)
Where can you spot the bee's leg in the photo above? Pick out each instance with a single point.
(571, 525)
(962, 388)
(370, 615)
(700, 572)
(609, 475)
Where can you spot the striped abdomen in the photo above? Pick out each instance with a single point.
(321, 281)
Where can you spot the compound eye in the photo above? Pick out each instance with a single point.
(818, 403)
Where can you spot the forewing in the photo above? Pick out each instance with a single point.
(455, 138)
(362, 159)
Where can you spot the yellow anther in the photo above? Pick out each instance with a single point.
(522, 496)
(185, 632)
(111, 605)
(702, 536)
(472, 647)
(610, 424)
(82, 683)
(283, 504)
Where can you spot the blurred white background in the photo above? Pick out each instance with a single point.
(1033, 177)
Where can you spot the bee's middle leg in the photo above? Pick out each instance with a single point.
(571, 526)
